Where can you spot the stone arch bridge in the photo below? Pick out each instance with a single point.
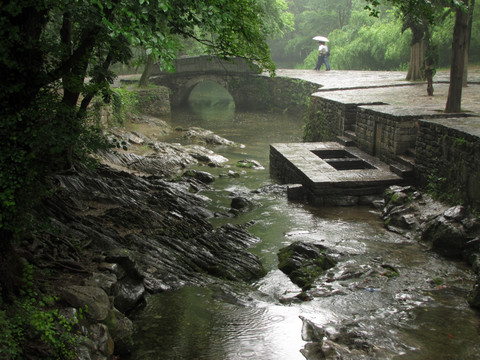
(236, 75)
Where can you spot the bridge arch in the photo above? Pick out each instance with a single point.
(194, 70)
(182, 93)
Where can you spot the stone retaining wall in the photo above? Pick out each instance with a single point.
(448, 157)
(446, 150)
(384, 132)
(326, 118)
(277, 94)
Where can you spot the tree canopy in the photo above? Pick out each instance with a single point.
(349, 25)
(57, 55)
(423, 11)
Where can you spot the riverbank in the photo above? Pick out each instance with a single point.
(135, 227)
(132, 227)
(136, 234)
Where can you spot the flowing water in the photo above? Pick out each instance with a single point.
(421, 314)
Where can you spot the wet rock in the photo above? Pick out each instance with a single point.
(91, 298)
(102, 280)
(113, 268)
(455, 213)
(401, 219)
(166, 160)
(201, 176)
(446, 235)
(101, 337)
(304, 262)
(474, 259)
(250, 164)
(121, 329)
(135, 139)
(331, 343)
(128, 294)
(201, 212)
(449, 231)
(205, 155)
(242, 204)
(158, 127)
(206, 137)
(145, 233)
(398, 195)
(233, 174)
(400, 212)
(147, 227)
(272, 189)
(474, 295)
(390, 271)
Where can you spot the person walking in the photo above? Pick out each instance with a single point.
(323, 54)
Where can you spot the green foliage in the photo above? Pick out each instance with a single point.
(439, 189)
(361, 41)
(311, 18)
(32, 321)
(56, 57)
(124, 102)
(367, 44)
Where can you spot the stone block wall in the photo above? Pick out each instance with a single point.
(275, 94)
(384, 132)
(447, 150)
(283, 170)
(448, 157)
(327, 118)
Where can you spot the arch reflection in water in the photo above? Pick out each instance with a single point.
(211, 101)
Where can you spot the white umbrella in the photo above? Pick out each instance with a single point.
(320, 38)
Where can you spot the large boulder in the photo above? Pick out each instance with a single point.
(121, 330)
(92, 299)
(304, 262)
(128, 294)
(446, 233)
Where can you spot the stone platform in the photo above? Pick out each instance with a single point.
(328, 173)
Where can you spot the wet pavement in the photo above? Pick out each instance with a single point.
(389, 87)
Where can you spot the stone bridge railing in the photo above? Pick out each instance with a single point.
(210, 64)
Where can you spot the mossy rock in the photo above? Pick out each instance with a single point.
(304, 262)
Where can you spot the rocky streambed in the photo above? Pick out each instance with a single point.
(139, 224)
(130, 227)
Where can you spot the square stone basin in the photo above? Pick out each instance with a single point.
(330, 173)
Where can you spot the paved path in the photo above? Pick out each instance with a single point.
(389, 87)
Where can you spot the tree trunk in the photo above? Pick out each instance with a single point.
(429, 62)
(429, 76)
(454, 100)
(469, 36)
(416, 61)
(11, 268)
(146, 72)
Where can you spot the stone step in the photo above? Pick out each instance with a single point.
(405, 171)
(350, 134)
(406, 160)
(345, 141)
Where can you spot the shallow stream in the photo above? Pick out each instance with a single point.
(420, 314)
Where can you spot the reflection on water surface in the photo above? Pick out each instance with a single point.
(405, 317)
